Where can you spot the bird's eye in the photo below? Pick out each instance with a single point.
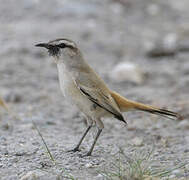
(62, 45)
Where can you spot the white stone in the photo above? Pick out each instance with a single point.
(99, 177)
(29, 176)
(127, 71)
(88, 165)
(137, 141)
(187, 167)
(153, 9)
(176, 171)
(170, 41)
(183, 124)
(172, 176)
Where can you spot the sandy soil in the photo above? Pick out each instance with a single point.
(108, 33)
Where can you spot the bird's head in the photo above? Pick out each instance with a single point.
(60, 47)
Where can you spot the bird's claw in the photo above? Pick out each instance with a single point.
(74, 150)
(85, 155)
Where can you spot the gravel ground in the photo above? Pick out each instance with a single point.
(108, 32)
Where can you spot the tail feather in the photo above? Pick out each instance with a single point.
(163, 112)
(127, 105)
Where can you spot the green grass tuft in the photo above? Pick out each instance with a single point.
(137, 167)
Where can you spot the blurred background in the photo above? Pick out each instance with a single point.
(139, 47)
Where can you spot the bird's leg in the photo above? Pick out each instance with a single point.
(94, 142)
(80, 141)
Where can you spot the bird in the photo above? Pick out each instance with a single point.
(84, 88)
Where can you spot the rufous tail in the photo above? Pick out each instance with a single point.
(128, 105)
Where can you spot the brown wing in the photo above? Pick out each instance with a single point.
(102, 99)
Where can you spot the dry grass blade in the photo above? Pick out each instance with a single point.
(164, 173)
(45, 144)
(2, 103)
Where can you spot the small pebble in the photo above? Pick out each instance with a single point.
(172, 176)
(88, 165)
(177, 171)
(167, 46)
(6, 126)
(13, 97)
(165, 142)
(29, 176)
(183, 124)
(153, 9)
(146, 177)
(99, 177)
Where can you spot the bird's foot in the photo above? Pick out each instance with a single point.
(76, 149)
(85, 155)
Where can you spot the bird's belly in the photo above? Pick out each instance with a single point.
(76, 97)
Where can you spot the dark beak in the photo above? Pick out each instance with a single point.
(45, 45)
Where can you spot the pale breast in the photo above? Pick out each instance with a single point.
(65, 79)
(69, 88)
(74, 95)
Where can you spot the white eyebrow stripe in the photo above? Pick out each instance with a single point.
(67, 43)
(63, 40)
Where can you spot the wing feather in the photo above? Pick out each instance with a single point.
(98, 97)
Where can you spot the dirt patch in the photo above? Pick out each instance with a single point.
(108, 33)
